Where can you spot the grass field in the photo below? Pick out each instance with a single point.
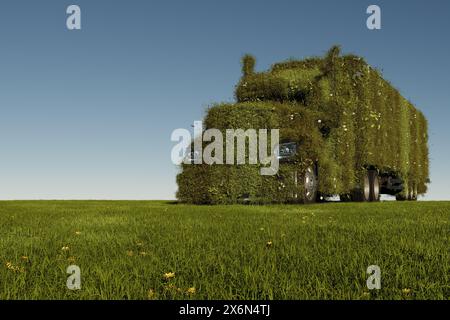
(124, 249)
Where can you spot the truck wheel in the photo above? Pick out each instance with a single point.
(345, 197)
(363, 193)
(415, 193)
(400, 197)
(374, 181)
(412, 194)
(310, 183)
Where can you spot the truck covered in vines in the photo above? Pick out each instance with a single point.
(344, 130)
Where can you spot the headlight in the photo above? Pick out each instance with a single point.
(287, 150)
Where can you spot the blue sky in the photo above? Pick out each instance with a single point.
(88, 114)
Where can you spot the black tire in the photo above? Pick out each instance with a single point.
(362, 194)
(374, 182)
(412, 194)
(310, 185)
(345, 197)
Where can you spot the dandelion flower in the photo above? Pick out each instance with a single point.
(77, 233)
(169, 275)
(65, 248)
(269, 244)
(406, 290)
(71, 259)
(24, 258)
(14, 268)
(143, 253)
(151, 294)
(191, 290)
(130, 253)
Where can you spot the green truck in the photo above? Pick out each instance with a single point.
(344, 130)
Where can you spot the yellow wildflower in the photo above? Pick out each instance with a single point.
(151, 294)
(12, 267)
(169, 275)
(406, 290)
(191, 291)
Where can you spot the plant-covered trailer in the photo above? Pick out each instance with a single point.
(344, 130)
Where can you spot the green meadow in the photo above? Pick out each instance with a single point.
(164, 250)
